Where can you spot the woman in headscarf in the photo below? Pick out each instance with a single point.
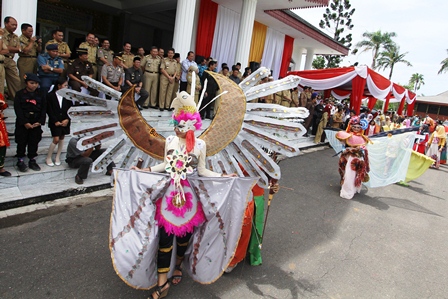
(436, 144)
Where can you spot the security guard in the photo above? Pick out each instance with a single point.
(134, 76)
(30, 46)
(112, 75)
(50, 67)
(151, 67)
(30, 108)
(92, 49)
(78, 68)
(63, 49)
(168, 68)
(11, 40)
(105, 56)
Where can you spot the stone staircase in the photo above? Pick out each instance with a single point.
(56, 182)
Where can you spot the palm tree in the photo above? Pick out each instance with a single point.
(373, 42)
(417, 81)
(444, 66)
(391, 56)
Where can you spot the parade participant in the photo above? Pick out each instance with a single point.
(83, 159)
(435, 145)
(58, 121)
(183, 155)
(30, 108)
(4, 140)
(354, 162)
(420, 143)
(50, 67)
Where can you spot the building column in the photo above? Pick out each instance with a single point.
(297, 54)
(195, 25)
(245, 32)
(24, 11)
(183, 26)
(309, 58)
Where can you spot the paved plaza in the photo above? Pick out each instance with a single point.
(387, 242)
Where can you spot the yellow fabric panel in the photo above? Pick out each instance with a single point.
(257, 44)
(418, 164)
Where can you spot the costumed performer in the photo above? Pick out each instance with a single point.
(354, 162)
(435, 145)
(252, 233)
(184, 154)
(420, 143)
(4, 140)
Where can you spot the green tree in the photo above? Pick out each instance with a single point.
(416, 81)
(338, 19)
(444, 66)
(374, 41)
(391, 56)
(318, 63)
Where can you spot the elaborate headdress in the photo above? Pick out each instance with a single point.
(186, 117)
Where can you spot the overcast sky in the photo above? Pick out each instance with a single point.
(421, 28)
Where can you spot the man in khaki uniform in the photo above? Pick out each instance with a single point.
(11, 40)
(178, 74)
(31, 46)
(112, 75)
(286, 98)
(168, 69)
(92, 49)
(151, 67)
(105, 56)
(63, 49)
(3, 51)
(128, 57)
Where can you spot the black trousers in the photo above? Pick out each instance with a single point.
(183, 86)
(83, 163)
(27, 138)
(114, 84)
(143, 94)
(166, 249)
(206, 112)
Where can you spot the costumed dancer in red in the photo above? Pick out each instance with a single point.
(354, 161)
(4, 140)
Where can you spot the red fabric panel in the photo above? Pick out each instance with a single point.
(372, 102)
(327, 93)
(323, 74)
(400, 89)
(342, 92)
(206, 27)
(411, 95)
(410, 109)
(358, 85)
(400, 108)
(386, 105)
(380, 81)
(287, 54)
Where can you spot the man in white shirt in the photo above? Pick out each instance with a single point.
(185, 66)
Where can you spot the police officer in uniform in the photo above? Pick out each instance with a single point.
(30, 108)
(63, 49)
(30, 46)
(112, 75)
(11, 40)
(151, 66)
(50, 67)
(105, 56)
(78, 68)
(92, 49)
(134, 76)
(168, 70)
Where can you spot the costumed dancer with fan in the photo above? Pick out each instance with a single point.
(175, 215)
(354, 161)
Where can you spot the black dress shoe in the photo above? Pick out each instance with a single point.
(78, 180)
(22, 166)
(161, 109)
(5, 173)
(10, 134)
(139, 107)
(33, 165)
